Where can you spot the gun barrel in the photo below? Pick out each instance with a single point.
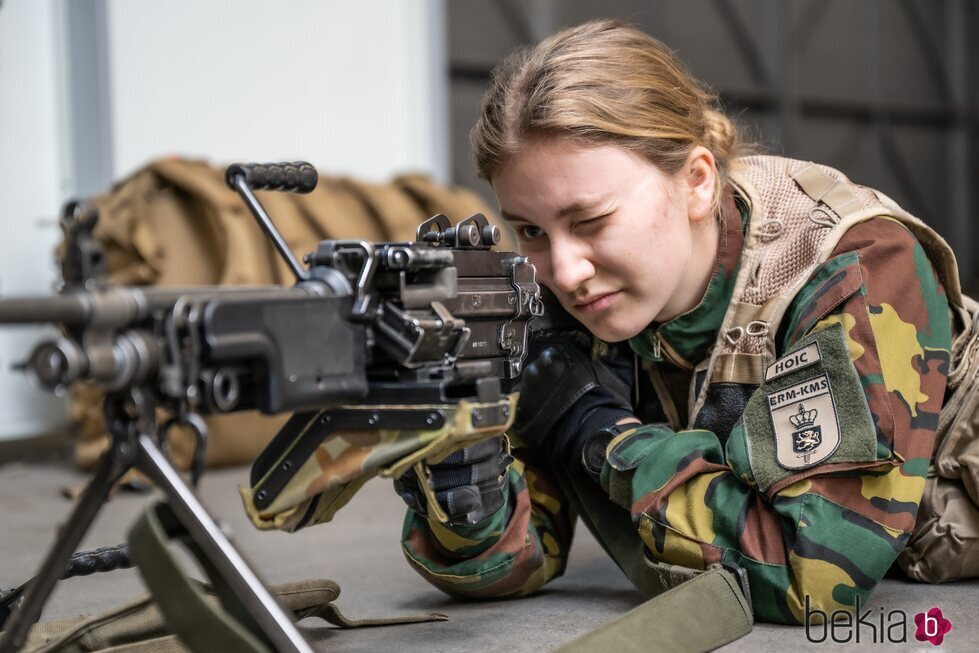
(63, 309)
(120, 305)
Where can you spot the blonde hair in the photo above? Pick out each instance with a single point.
(602, 82)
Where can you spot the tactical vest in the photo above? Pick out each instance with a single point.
(799, 212)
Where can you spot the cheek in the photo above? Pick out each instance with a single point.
(632, 250)
(654, 259)
(645, 233)
(667, 241)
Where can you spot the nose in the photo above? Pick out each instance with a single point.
(570, 264)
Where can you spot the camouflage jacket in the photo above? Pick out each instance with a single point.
(878, 315)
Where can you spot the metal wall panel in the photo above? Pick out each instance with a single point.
(886, 90)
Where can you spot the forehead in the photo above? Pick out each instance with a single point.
(548, 175)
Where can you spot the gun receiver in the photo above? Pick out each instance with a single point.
(365, 322)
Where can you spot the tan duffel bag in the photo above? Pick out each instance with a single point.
(945, 543)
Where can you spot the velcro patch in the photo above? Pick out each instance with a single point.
(797, 360)
(807, 428)
(815, 414)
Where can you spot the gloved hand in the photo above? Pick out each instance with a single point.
(470, 484)
(564, 392)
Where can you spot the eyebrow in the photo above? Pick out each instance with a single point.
(575, 207)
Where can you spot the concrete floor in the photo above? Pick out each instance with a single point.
(360, 551)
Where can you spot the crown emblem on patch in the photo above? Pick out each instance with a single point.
(808, 435)
(803, 418)
(805, 422)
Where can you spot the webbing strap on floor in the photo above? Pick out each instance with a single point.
(701, 614)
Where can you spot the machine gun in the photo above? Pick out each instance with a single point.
(366, 326)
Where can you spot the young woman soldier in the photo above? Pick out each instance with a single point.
(772, 347)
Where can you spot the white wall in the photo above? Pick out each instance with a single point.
(31, 189)
(348, 86)
(92, 90)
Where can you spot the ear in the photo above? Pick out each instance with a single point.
(700, 173)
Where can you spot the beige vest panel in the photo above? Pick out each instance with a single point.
(799, 212)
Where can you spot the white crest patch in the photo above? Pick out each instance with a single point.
(807, 429)
(797, 360)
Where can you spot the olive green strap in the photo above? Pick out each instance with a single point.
(680, 598)
(205, 617)
(136, 619)
(138, 625)
(209, 625)
(701, 614)
(138, 622)
(332, 614)
(201, 625)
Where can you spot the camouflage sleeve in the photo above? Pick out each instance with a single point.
(512, 553)
(816, 489)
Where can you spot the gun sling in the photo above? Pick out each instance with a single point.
(674, 620)
(182, 614)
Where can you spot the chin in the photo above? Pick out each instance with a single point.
(613, 332)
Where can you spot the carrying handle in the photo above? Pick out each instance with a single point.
(297, 177)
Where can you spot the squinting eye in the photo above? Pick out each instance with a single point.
(530, 232)
(592, 222)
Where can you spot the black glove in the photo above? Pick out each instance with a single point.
(470, 484)
(564, 392)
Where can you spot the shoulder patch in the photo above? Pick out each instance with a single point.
(810, 411)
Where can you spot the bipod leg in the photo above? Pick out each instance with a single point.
(115, 462)
(260, 604)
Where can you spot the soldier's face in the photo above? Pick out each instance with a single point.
(619, 242)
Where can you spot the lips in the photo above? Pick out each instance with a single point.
(596, 303)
